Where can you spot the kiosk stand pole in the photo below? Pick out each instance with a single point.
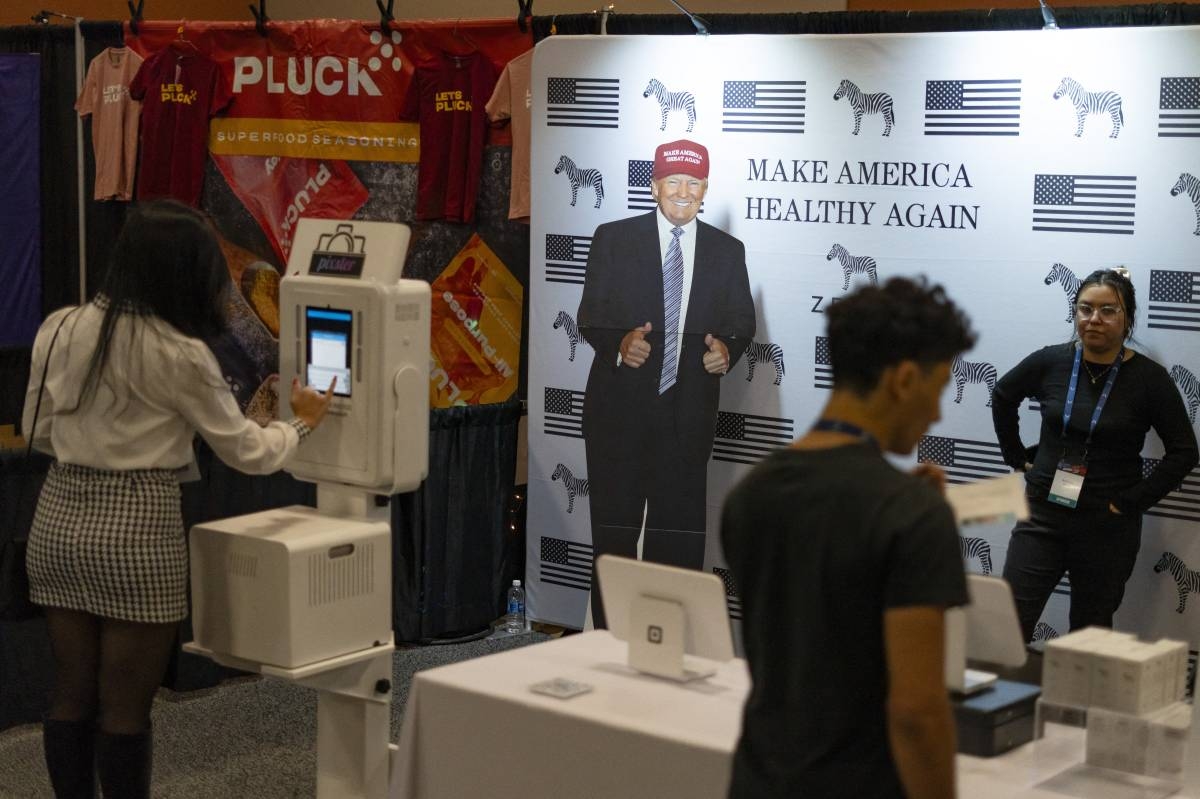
(343, 501)
(353, 729)
(354, 703)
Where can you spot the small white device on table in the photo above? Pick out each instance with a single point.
(674, 620)
(987, 629)
(304, 594)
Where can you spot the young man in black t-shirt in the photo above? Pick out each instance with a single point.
(845, 566)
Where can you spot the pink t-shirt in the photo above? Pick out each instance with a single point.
(511, 100)
(114, 113)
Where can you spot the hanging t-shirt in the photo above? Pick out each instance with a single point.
(447, 97)
(512, 100)
(115, 114)
(180, 90)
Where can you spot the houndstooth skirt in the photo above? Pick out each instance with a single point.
(109, 543)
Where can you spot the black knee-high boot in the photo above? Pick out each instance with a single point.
(123, 762)
(68, 746)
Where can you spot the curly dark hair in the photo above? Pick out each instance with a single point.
(903, 320)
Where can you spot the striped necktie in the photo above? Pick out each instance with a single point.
(672, 300)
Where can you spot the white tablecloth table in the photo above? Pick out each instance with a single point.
(474, 729)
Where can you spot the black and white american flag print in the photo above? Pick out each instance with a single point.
(747, 438)
(1174, 300)
(566, 258)
(733, 602)
(1183, 502)
(822, 365)
(763, 106)
(565, 563)
(964, 460)
(1103, 204)
(563, 412)
(1179, 107)
(973, 107)
(583, 102)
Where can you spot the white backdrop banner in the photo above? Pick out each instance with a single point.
(976, 159)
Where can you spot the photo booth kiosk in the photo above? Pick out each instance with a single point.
(304, 594)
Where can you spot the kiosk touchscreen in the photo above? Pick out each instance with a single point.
(674, 619)
(329, 336)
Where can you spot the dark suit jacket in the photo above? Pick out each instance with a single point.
(623, 290)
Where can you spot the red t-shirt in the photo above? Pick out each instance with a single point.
(180, 91)
(448, 97)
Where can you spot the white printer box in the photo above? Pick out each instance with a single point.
(1068, 664)
(1140, 686)
(290, 586)
(1154, 744)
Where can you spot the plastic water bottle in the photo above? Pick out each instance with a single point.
(514, 621)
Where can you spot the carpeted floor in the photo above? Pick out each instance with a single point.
(247, 737)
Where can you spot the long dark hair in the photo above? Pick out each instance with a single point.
(168, 264)
(1118, 280)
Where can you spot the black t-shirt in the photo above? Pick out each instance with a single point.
(1143, 396)
(820, 543)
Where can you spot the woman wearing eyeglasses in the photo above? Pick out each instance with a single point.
(1084, 479)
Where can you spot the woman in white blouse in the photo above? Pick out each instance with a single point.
(118, 388)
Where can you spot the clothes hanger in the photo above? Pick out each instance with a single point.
(135, 14)
(182, 43)
(463, 37)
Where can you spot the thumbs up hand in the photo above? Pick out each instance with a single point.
(716, 360)
(634, 347)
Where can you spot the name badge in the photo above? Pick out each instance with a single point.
(1068, 482)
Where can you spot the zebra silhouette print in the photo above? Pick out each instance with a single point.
(977, 548)
(853, 265)
(1044, 632)
(1191, 185)
(1086, 103)
(581, 177)
(669, 101)
(861, 103)
(1186, 580)
(568, 325)
(1189, 387)
(972, 372)
(766, 352)
(1070, 283)
(575, 486)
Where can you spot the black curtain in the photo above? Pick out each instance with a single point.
(60, 206)
(60, 241)
(454, 546)
(872, 21)
(25, 662)
(60, 219)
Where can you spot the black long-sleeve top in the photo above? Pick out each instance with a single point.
(1143, 396)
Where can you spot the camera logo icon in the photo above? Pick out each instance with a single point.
(654, 634)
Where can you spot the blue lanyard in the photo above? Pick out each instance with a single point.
(837, 426)
(1108, 384)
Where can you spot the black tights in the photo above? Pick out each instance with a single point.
(106, 669)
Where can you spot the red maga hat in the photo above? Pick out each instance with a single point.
(681, 157)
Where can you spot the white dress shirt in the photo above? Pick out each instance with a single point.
(687, 244)
(158, 388)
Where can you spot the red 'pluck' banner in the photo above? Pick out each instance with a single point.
(330, 89)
